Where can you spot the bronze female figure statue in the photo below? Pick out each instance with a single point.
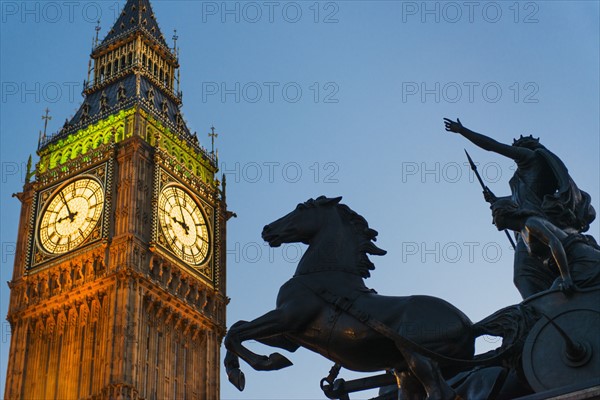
(541, 184)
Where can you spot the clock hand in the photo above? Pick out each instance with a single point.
(63, 218)
(182, 223)
(180, 208)
(62, 197)
(71, 215)
(185, 227)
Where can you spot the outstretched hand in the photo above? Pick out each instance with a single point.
(452, 126)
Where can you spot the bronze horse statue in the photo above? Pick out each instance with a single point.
(313, 308)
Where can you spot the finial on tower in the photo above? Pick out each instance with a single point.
(212, 136)
(97, 32)
(175, 37)
(46, 118)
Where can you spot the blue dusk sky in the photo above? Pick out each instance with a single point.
(336, 98)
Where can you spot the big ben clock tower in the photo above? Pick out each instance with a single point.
(118, 289)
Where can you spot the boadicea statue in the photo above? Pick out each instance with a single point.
(423, 346)
(541, 185)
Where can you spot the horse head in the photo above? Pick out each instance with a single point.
(337, 235)
(300, 225)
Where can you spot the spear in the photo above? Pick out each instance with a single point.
(488, 192)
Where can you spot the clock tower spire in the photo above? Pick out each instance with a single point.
(118, 288)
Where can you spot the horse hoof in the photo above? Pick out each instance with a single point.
(237, 378)
(277, 361)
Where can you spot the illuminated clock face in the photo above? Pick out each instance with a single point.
(183, 225)
(71, 215)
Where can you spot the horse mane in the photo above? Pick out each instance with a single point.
(366, 235)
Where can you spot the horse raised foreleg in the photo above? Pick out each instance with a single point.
(268, 325)
(232, 363)
(272, 324)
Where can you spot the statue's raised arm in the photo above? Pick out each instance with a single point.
(540, 184)
(519, 154)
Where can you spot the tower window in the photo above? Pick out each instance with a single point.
(55, 160)
(66, 156)
(184, 379)
(147, 363)
(176, 368)
(76, 151)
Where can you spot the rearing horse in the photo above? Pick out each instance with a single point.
(335, 265)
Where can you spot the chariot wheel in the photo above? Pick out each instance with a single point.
(562, 349)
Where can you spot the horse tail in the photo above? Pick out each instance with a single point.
(512, 323)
